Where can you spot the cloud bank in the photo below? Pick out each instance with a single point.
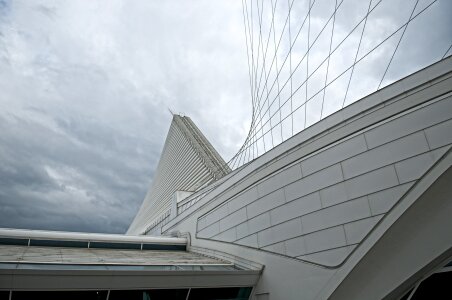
(85, 91)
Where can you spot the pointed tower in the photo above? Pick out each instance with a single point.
(188, 162)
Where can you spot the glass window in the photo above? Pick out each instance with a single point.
(8, 266)
(164, 247)
(234, 293)
(106, 245)
(436, 287)
(58, 295)
(4, 295)
(158, 294)
(57, 243)
(13, 241)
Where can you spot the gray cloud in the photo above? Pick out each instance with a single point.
(74, 173)
(85, 91)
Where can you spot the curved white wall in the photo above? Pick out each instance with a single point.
(316, 203)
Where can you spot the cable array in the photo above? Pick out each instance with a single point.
(309, 58)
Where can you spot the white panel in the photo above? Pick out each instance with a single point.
(213, 216)
(243, 199)
(413, 168)
(334, 155)
(325, 239)
(314, 182)
(440, 134)
(295, 247)
(210, 231)
(259, 223)
(279, 180)
(266, 203)
(227, 236)
(296, 208)
(371, 182)
(276, 248)
(382, 201)
(233, 219)
(280, 232)
(250, 241)
(438, 153)
(331, 257)
(242, 230)
(336, 215)
(384, 155)
(333, 195)
(407, 124)
(356, 231)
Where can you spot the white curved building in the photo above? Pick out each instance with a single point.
(356, 206)
(188, 162)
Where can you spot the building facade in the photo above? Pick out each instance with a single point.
(356, 206)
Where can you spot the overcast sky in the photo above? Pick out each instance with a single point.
(85, 88)
(85, 91)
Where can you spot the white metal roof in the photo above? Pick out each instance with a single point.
(84, 256)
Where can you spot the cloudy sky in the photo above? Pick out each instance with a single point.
(85, 91)
(372, 44)
(85, 88)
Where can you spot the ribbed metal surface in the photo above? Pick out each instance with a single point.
(188, 161)
(83, 256)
